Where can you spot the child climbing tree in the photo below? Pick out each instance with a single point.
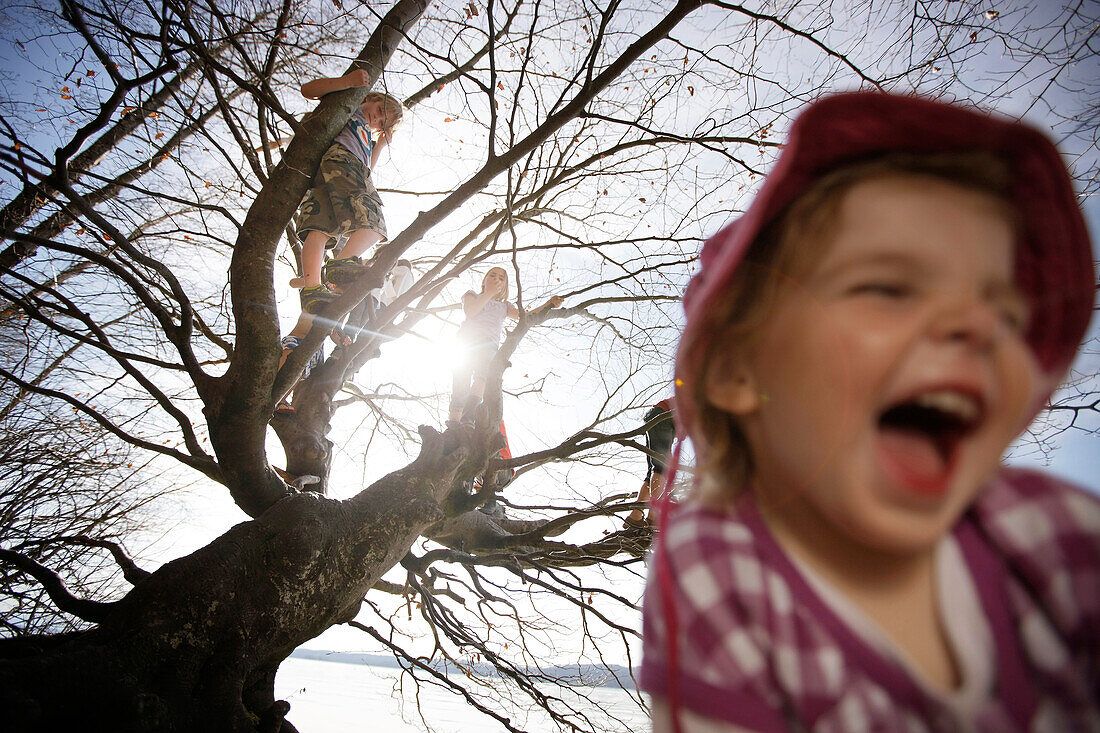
(143, 284)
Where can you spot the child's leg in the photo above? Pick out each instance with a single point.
(314, 299)
(460, 390)
(313, 254)
(482, 357)
(477, 395)
(357, 323)
(659, 439)
(477, 361)
(289, 343)
(465, 409)
(301, 328)
(635, 516)
(360, 242)
(477, 388)
(348, 267)
(356, 205)
(657, 490)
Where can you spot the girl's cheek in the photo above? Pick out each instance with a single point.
(1027, 387)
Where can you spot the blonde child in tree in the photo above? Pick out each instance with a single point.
(343, 204)
(860, 349)
(479, 339)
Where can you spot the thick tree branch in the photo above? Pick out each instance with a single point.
(239, 416)
(52, 583)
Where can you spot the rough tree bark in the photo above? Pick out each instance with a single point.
(195, 645)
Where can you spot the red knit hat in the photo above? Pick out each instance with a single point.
(1054, 260)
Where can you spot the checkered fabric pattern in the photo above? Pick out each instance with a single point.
(1049, 536)
(755, 646)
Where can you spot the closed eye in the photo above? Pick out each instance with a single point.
(882, 288)
(1016, 316)
(1013, 308)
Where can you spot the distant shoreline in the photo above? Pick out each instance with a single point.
(587, 675)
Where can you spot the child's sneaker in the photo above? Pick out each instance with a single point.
(316, 298)
(343, 271)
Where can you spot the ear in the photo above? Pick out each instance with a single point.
(731, 385)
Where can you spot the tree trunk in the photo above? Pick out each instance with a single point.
(195, 646)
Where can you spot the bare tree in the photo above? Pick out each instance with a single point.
(586, 148)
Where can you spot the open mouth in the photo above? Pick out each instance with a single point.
(920, 436)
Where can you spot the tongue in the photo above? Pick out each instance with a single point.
(914, 459)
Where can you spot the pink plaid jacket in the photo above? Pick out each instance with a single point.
(756, 646)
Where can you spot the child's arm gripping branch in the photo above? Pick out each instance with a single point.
(553, 302)
(320, 87)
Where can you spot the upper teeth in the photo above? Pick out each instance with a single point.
(964, 407)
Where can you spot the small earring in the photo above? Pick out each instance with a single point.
(764, 398)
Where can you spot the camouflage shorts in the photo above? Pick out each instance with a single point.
(343, 199)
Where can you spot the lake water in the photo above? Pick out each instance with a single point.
(333, 697)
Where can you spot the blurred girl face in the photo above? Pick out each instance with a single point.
(881, 391)
(496, 282)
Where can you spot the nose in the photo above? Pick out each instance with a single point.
(973, 322)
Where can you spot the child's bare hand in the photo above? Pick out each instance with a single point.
(556, 300)
(357, 78)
